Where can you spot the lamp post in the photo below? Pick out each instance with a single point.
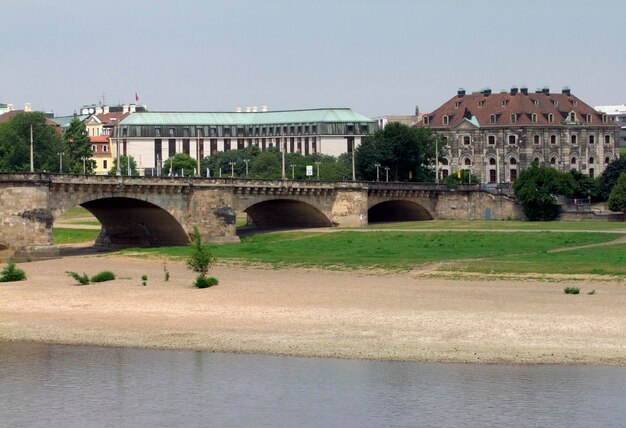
(293, 171)
(353, 163)
(282, 149)
(317, 163)
(437, 160)
(32, 162)
(232, 169)
(377, 165)
(84, 159)
(387, 174)
(246, 161)
(60, 162)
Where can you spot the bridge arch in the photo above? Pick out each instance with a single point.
(128, 221)
(285, 213)
(397, 210)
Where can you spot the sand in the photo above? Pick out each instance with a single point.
(317, 313)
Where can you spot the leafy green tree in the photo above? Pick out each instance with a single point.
(409, 152)
(201, 257)
(537, 189)
(268, 165)
(617, 198)
(127, 163)
(180, 165)
(585, 186)
(610, 176)
(79, 150)
(15, 144)
(466, 177)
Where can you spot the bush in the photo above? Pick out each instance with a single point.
(11, 273)
(205, 282)
(81, 279)
(201, 258)
(617, 198)
(571, 290)
(103, 276)
(144, 280)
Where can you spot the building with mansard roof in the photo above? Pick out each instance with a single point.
(152, 137)
(496, 135)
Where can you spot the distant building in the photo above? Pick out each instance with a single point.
(408, 120)
(618, 114)
(102, 154)
(495, 136)
(152, 137)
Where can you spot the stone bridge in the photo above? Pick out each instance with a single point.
(147, 211)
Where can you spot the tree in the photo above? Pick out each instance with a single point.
(180, 165)
(201, 258)
(585, 186)
(409, 152)
(610, 176)
(617, 198)
(79, 150)
(465, 177)
(128, 163)
(15, 144)
(537, 188)
(268, 164)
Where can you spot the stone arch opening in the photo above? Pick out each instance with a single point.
(398, 210)
(285, 213)
(133, 222)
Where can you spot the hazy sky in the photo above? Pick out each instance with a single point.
(377, 57)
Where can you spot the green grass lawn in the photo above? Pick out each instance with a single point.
(500, 225)
(405, 250)
(74, 236)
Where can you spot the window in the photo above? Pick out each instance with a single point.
(555, 102)
(572, 117)
(492, 118)
(552, 161)
(226, 145)
(491, 139)
(550, 118)
(573, 140)
(492, 161)
(105, 148)
(512, 139)
(467, 162)
(157, 132)
(533, 118)
(536, 139)
(426, 120)
(592, 173)
(94, 148)
(513, 118)
(607, 139)
(172, 132)
(536, 160)
(466, 140)
(588, 118)
(604, 118)
(591, 161)
(513, 174)
(481, 104)
(504, 103)
(574, 103)
(457, 104)
(492, 175)
(607, 160)
(105, 164)
(185, 132)
(592, 139)
(573, 161)
(446, 120)
(535, 102)
(513, 161)
(552, 139)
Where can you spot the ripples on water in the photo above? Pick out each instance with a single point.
(70, 386)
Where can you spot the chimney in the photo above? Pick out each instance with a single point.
(27, 107)
(105, 109)
(124, 108)
(263, 108)
(133, 108)
(524, 90)
(238, 110)
(545, 90)
(254, 109)
(248, 109)
(9, 107)
(566, 91)
(461, 92)
(513, 91)
(486, 92)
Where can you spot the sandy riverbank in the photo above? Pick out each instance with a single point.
(317, 313)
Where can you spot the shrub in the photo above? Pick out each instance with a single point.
(205, 282)
(103, 276)
(144, 280)
(11, 273)
(571, 290)
(81, 279)
(201, 258)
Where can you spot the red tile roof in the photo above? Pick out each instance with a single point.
(99, 139)
(483, 105)
(111, 119)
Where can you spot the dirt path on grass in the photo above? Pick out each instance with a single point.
(317, 313)
(621, 240)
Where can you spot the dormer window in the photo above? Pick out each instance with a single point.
(504, 103)
(492, 118)
(588, 118)
(533, 118)
(536, 103)
(604, 118)
(157, 132)
(572, 117)
(446, 120)
(550, 118)
(457, 104)
(555, 102)
(481, 103)
(574, 103)
(513, 118)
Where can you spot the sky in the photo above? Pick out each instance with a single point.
(376, 57)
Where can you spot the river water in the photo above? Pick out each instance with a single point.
(83, 386)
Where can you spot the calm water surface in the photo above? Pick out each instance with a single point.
(70, 386)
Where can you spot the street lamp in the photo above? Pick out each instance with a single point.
(317, 163)
(232, 169)
(282, 149)
(246, 161)
(387, 174)
(60, 162)
(84, 159)
(377, 165)
(293, 171)
(32, 162)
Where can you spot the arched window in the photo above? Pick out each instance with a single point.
(550, 117)
(513, 161)
(573, 161)
(444, 161)
(446, 120)
(607, 139)
(573, 139)
(533, 118)
(552, 161)
(536, 160)
(492, 161)
(607, 160)
(467, 162)
(552, 139)
(513, 118)
(591, 161)
(492, 118)
(466, 140)
(426, 120)
(592, 139)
